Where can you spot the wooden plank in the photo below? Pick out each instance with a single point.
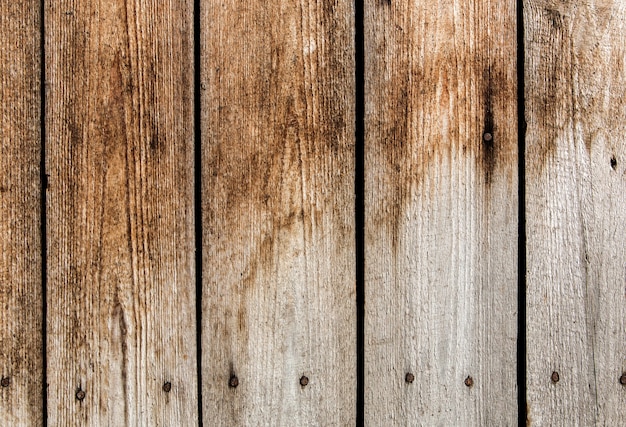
(21, 364)
(121, 284)
(278, 213)
(576, 211)
(441, 203)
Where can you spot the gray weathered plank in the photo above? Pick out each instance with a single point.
(121, 280)
(278, 213)
(441, 202)
(576, 211)
(21, 368)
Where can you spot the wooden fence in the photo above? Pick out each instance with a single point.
(312, 212)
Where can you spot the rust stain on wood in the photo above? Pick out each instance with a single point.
(414, 133)
(489, 138)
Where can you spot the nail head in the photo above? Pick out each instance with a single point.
(487, 136)
(622, 379)
(555, 377)
(167, 387)
(5, 381)
(409, 377)
(304, 381)
(469, 381)
(80, 395)
(233, 381)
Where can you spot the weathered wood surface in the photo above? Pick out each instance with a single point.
(441, 204)
(576, 211)
(21, 368)
(119, 152)
(278, 213)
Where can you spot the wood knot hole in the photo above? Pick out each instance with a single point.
(167, 387)
(613, 162)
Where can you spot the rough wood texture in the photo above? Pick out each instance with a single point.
(576, 211)
(278, 213)
(121, 284)
(21, 369)
(441, 213)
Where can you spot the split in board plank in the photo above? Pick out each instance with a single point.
(121, 339)
(575, 95)
(441, 213)
(21, 299)
(279, 316)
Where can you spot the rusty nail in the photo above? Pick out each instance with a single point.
(555, 377)
(487, 136)
(409, 377)
(167, 387)
(469, 381)
(304, 381)
(622, 379)
(233, 381)
(5, 381)
(80, 394)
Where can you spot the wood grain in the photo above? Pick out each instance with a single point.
(278, 213)
(21, 363)
(441, 203)
(576, 211)
(121, 282)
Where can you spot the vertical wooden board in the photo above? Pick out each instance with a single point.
(21, 368)
(278, 213)
(121, 279)
(441, 203)
(576, 211)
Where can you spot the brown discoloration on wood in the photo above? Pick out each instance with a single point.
(555, 18)
(489, 137)
(552, 95)
(441, 209)
(278, 212)
(119, 151)
(414, 90)
(575, 91)
(20, 215)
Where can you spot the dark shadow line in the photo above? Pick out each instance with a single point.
(197, 146)
(359, 188)
(521, 243)
(43, 183)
